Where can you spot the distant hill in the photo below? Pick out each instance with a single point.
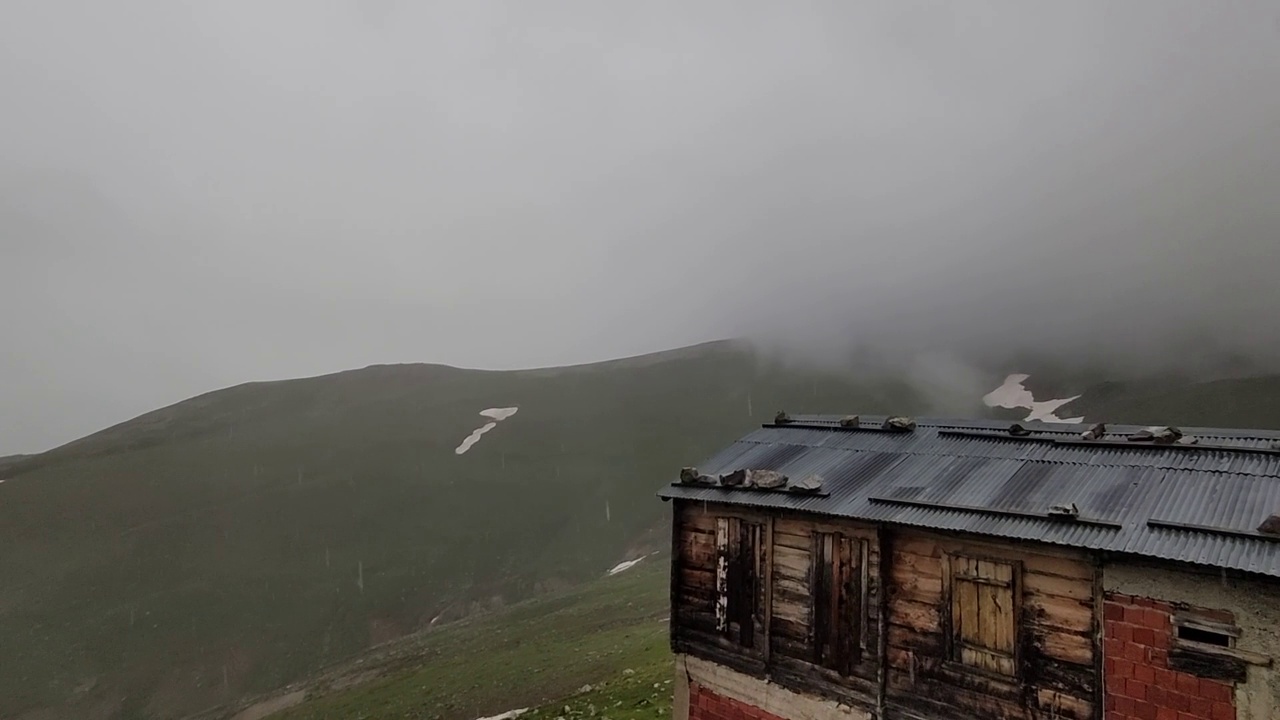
(243, 539)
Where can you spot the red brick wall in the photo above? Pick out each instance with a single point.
(1138, 682)
(706, 705)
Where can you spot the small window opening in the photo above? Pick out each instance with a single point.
(1208, 637)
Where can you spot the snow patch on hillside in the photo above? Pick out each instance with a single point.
(627, 565)
(495, 414)
(620, 567)
(508, 715)
(499, 414)
(1014, 395)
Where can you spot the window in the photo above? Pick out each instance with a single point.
(839, 606)
(739, 564)
(1196, 630)
(984, 614)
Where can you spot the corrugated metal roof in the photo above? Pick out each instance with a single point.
(1193, 504)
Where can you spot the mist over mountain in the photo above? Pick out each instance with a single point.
(195, 198)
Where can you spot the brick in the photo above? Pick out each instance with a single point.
(1159, 658)
(1124, 669)
(1201, 707)
(1166, 677)
(1124, 632)
(1112, 611)
(1215, 691)
(1135, 689)
(1134, 614)
(1158, 696)
(1145, 711)
(1165, 713)
(1112, 647)
(1145, 673)
(1136, 653)
(1188, 684)
(1158, 619)
(1125, 705)
(1179, 701)
(1144, 636)
(1223, 711)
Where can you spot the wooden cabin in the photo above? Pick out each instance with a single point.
(944, 570)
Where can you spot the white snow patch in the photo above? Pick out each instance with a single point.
(508, 715)
(474, 437)
(624, 566)
(630, 563)
(499, 413)
(495, 414)
(1014, 395)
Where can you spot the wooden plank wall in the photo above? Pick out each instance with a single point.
(693, 611)
(1058, 615)
(792, 640)
(1057, 634)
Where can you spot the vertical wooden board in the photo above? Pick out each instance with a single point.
(965, 612)
(766, 589)
(742, 581)
(849, 605)
(994, 571)
(722, 575)
(821, 584)
(995, 612)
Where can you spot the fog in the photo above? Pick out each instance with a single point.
(194, 195)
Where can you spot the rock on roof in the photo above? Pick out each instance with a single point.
(1199, 504)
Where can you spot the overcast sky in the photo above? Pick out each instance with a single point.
(197, 194)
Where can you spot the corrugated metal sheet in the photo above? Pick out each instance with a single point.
(995, 486)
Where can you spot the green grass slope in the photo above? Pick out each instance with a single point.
(242, 539)
(610, 635)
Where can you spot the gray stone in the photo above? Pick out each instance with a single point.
(811, 483)
(765, 479)
(733, 479)
(691, 476)
(1094, 433)
(900, 423)
(782, 418)
(1017, 430)
(851, 421)
(1270, 526)
(1064, 511)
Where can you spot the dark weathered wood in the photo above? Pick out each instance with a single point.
(824, 599)
(792, 631)
(918, 616)
(791, 563)
(1203, 662)
(1030, 645)
(1055, 612)
(805, 677)
(1061, 706)
(788, 540)
(850, 610)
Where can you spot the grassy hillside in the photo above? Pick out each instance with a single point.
(243, 539)
(610, 634)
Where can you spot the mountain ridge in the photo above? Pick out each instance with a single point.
(245, 538)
